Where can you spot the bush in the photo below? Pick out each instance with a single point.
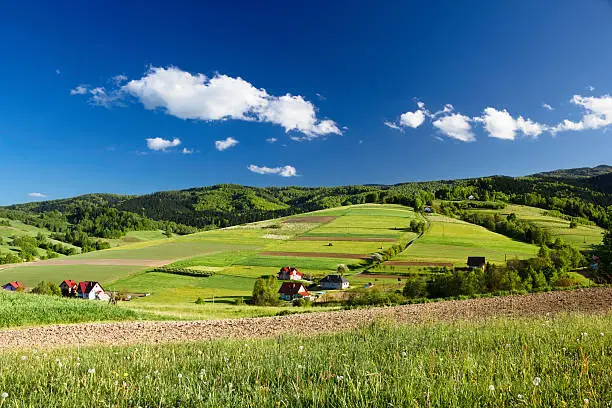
(416, 287)
(342, 269)
(47, 288)
(183, 271)
(265, 292)
(239, 301)
(200, 301)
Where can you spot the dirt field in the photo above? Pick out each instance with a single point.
(319, 219)
(594, 300)
(317, 255)
(353, 239)
(110, 262)
(417, 263)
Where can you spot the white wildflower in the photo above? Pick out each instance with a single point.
(300, 366)
(586, 400)
(91, 370)
(44, 355)
(4, 395)
(155, 372)
(520, 396)
(180, 376)
(339, 377)
(23, 358)
(536, 381)
(404, 353)
(491, 387)
(584, 334)
(301, 348)
(601, 334)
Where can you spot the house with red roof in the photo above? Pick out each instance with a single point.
(69, 288)
(293, 290)
(13, 286)
(91, 290)
(289, 273)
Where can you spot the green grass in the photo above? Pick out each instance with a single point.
(22, 309)
(450, 240)
(487, 364)
(30, 275)
(275, 262)
(583, 236)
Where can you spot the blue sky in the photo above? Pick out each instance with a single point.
(130, 97)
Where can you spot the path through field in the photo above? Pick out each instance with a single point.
(594, 300)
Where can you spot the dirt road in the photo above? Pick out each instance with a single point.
(595, 300)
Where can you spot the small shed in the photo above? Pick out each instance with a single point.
(13, 286)
(334, 282)
(477, 262)
(293, 290)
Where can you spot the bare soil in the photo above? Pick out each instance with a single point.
(316, 254)
(319, 219)
(353, 239)
(593, 300)
(418, 263)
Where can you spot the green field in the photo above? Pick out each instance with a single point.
(562, 361)
(17, 228)
(30, 275)
(451, 240)
(583, 236)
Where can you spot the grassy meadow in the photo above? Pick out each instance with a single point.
(558, 361)
(25, 309)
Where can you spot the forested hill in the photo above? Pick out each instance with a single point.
(574, 192)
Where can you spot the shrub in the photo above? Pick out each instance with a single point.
(200, 301)
(47, 288)
(416, 287)
(239, 301)
(265, 292)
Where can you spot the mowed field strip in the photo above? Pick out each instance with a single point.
(594, 300)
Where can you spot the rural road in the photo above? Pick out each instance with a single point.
(593, 300)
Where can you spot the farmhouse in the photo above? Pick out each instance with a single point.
(293, 290)
(91, 290)
(68, 287)
(427, 209)
(13, 286)
(334, 282)
(477, 262)
(289, 273)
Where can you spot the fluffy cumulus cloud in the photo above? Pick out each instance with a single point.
(284, 171)
(187, 151)
(597, 114)
(37, 195)
(456, 126)
(221, 97)
(159, 144)
(225, 144)
(501, 125)
(412, 119)
(547, 107)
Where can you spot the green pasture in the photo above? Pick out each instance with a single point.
(19, 228)
(275, 262)
(450, 240)
(30, 275)
(583, 236)
(562, 361)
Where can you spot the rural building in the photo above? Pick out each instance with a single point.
(13, 286)
(428, 209)
(471, 197)
(69, 287)
(334, 282)
(293, 290)
(288, 273)
(477, 262)
(91, 290)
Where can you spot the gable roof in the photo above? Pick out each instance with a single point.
(476, 260)
(292, 288)
(70, 283)
(334, 279)
(14, 284)
(86, 286)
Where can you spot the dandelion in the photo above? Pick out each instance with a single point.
(78, 358)
(601, 334)
(584, 334)
(4, 395)
(301, 348)
(339, 377)
(404, 353)
(180, 376)
(536, 381)
(491, 387)
(91, 370)
(564, 349)
(586, 400)
(300, 366)
(23, 358)
(155, 372)
(520, 396)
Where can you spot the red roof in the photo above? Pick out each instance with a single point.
(292, 288)
(70, 283)
(86, 287)
(15, 284)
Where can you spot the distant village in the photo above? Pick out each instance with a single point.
(90, 290)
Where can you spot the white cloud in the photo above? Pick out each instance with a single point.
(187, 151)
(598, 114)
(159, 144)
(37, 195)
(225, 144)
(58, 72)
(501, 125)
(222, 97)
(321, 97)
(392, 125)
(79, 90)
(412, 119)
(448, 108)
(547, 106)
(284, 171)
(590, 88)
(271, 140)
(456, 126)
